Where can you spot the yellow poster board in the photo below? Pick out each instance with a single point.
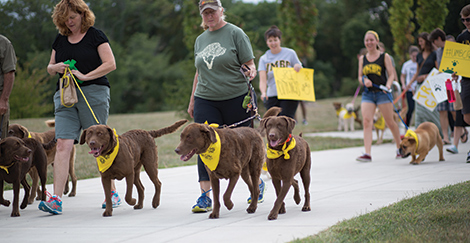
(292, 85)
(456, 58)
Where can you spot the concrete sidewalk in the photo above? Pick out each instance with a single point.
(341, 188)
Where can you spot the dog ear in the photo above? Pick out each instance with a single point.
(212, 134)
(112, 139)
(290, 123)
(262, 124)
(24, 131)
(83, 137)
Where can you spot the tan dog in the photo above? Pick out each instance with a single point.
(379, 125)
(17, 130)
(134, 149)
(242, 153)
(428, 136)
(287, 155)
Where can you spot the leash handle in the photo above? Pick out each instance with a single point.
(78, 86)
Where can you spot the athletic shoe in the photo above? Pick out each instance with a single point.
(114, 198)
(398, 156)
(305, 122)
(203, 204)
(468, 157)
(452, 149)
(262, 189)
(364, 158)
(53, 205)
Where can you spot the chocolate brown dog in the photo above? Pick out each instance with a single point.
(427, 136)
(17, 157)
(20, 131)
(131, 150)
(287, 155)
(242, 152)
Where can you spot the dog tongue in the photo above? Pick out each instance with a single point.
(95, 152)
(274, 143)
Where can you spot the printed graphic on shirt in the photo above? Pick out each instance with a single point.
(372, 69)
(278, 63)
(210, 53)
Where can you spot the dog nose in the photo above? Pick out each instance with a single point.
(92, 143)
(271, 135)
(177, 150)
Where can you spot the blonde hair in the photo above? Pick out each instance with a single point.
(62, 10)
(376, 37)
(205, 26)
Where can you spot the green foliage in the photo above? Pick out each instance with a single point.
(401, 27)
(431, 14)
(29, 93)
(299, 25)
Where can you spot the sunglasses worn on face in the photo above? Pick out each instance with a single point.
(465, 20)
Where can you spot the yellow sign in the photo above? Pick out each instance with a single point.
(292, 85)
(456, 58)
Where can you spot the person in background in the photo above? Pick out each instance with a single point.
(89, 47)
(438, 38)
(426, 61)
(7, 78)
(383, 50)
(408, 70)
(372, 69)
(464, 38)
(276, 56)
(219, 86)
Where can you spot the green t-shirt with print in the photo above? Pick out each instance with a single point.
(218, 56)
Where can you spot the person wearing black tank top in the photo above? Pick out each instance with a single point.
(373, 68)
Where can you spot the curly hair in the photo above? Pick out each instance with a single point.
(425, 37)
(62, 10)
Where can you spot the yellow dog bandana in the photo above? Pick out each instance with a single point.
(274, 154)
(105, 161)
(411, 134)
(212, 155)
(380, 123)
(29, 135)
(5, 167)
(347, 115)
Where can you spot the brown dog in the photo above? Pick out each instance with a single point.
(427, 135)
(136, 148)
(20, 131)
(287, 156)
(242, 152)
(17, 157)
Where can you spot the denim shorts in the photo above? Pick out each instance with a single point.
(70, 121)
(377, 98)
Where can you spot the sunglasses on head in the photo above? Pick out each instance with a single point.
(465, 20)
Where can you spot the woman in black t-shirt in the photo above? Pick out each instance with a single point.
(87, 52)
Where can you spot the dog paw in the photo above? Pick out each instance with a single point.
(138, 206)
(15, 214)
(214, 215)
(306, 208)
(297, 198)
(155, 204)
(251, 209)
(23, 205)
(228, 204)
(282, 210)
(108, 213)
(72, 194)
(272, 216)
(131, 202)
(5, 203)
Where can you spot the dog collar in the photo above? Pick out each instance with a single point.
(274, 154)
(105, 161)
(29, 135)
(6, 167)
(412, 134)
(212, 155)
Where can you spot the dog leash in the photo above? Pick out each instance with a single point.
(356, 93)
(389, 95)
(78, 86)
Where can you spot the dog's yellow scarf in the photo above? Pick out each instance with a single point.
(212, 155)
(105, 161)
(6, 167)
(411, 134)
(274, 154)
(347, 115)
(380, 123)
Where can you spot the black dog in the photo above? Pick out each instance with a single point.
(17, 157)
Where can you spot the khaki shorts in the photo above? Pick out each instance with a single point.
(5, 123)
(69, 122)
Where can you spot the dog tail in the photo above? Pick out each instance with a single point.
(50, 123)
(50, 145)
(167, 130)
(273, 111)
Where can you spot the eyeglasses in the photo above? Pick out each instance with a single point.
(465, 20)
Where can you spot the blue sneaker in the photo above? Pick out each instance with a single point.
(262, 189)
(53, 205)
(114, 198)
(203, 204)
(452, 149)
